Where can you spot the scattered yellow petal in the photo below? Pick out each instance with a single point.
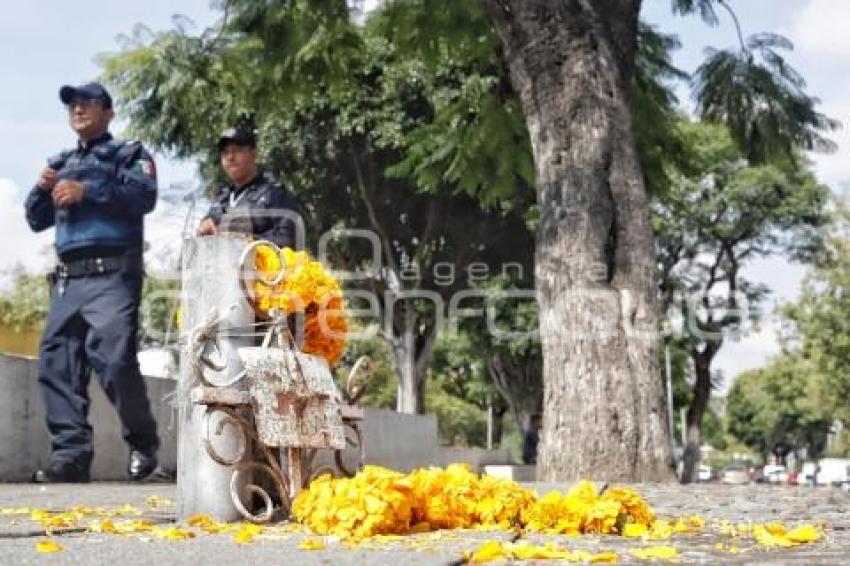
(608, 556)
(206, 523)
(731, 549)
(655, 553)
(48, 546)
(155, 501)
(127, 509)
(134, 526)
(172, 533)
(247, 532)
(487, 552)
(804, 533)
(311, 544)
(103, 526)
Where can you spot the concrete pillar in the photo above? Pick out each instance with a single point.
(210, 281)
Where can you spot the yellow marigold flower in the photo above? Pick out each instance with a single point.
(634, 530)
(305, 288)
(602, 517)
(633, 504)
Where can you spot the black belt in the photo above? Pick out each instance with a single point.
(98, 265)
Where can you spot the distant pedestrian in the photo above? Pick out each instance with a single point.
(531, 439)
(95, 195)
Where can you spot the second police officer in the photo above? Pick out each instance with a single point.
(253, 203)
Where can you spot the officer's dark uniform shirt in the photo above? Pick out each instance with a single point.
(255, 209)
(120, 188)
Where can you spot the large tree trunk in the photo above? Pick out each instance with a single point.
(699, 403)
(571, 63)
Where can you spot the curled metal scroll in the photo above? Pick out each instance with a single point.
(200, 338)
(232, 419)
(242, 464)
(355, 442)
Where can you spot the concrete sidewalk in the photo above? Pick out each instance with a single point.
(753, 503)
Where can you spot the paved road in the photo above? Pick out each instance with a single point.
(756, 503)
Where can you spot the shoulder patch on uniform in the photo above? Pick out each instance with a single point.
(146, 167)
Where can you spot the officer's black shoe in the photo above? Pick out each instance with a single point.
(142, 463)
(62, 472)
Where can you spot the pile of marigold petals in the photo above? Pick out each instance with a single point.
(307, 287)
(379, 501)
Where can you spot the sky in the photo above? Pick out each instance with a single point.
(48, 43)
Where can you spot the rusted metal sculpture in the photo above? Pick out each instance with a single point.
(284, 404)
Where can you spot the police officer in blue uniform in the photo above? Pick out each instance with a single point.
(96, 196)
(253, 203)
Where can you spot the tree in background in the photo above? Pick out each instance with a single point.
(774, 406)
(720, 213)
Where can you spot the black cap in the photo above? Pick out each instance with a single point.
(239, 136)
(89, 91)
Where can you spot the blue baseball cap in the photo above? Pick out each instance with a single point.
(89, 91)
(238, 136)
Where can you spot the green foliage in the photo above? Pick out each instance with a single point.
(774, 405)
(761, 99)
(654, 108)
(820, 326)
(458, 421)
(158, 311)
(456, 398)
(704, 7)
(24, 303)
(382, 388)
(720, 213)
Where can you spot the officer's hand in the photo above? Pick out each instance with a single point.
(47, 179)
(66, 193)
(207, 227)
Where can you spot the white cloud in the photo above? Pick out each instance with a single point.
(752, 351)
(21, 245)
(821, 27)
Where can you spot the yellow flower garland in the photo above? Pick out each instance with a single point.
(306, 288)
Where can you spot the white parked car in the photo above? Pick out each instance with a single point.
(704, 472)
(775, 474)
(834, 471)
(735, 474)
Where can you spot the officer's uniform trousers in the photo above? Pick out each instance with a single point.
(92, 325)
